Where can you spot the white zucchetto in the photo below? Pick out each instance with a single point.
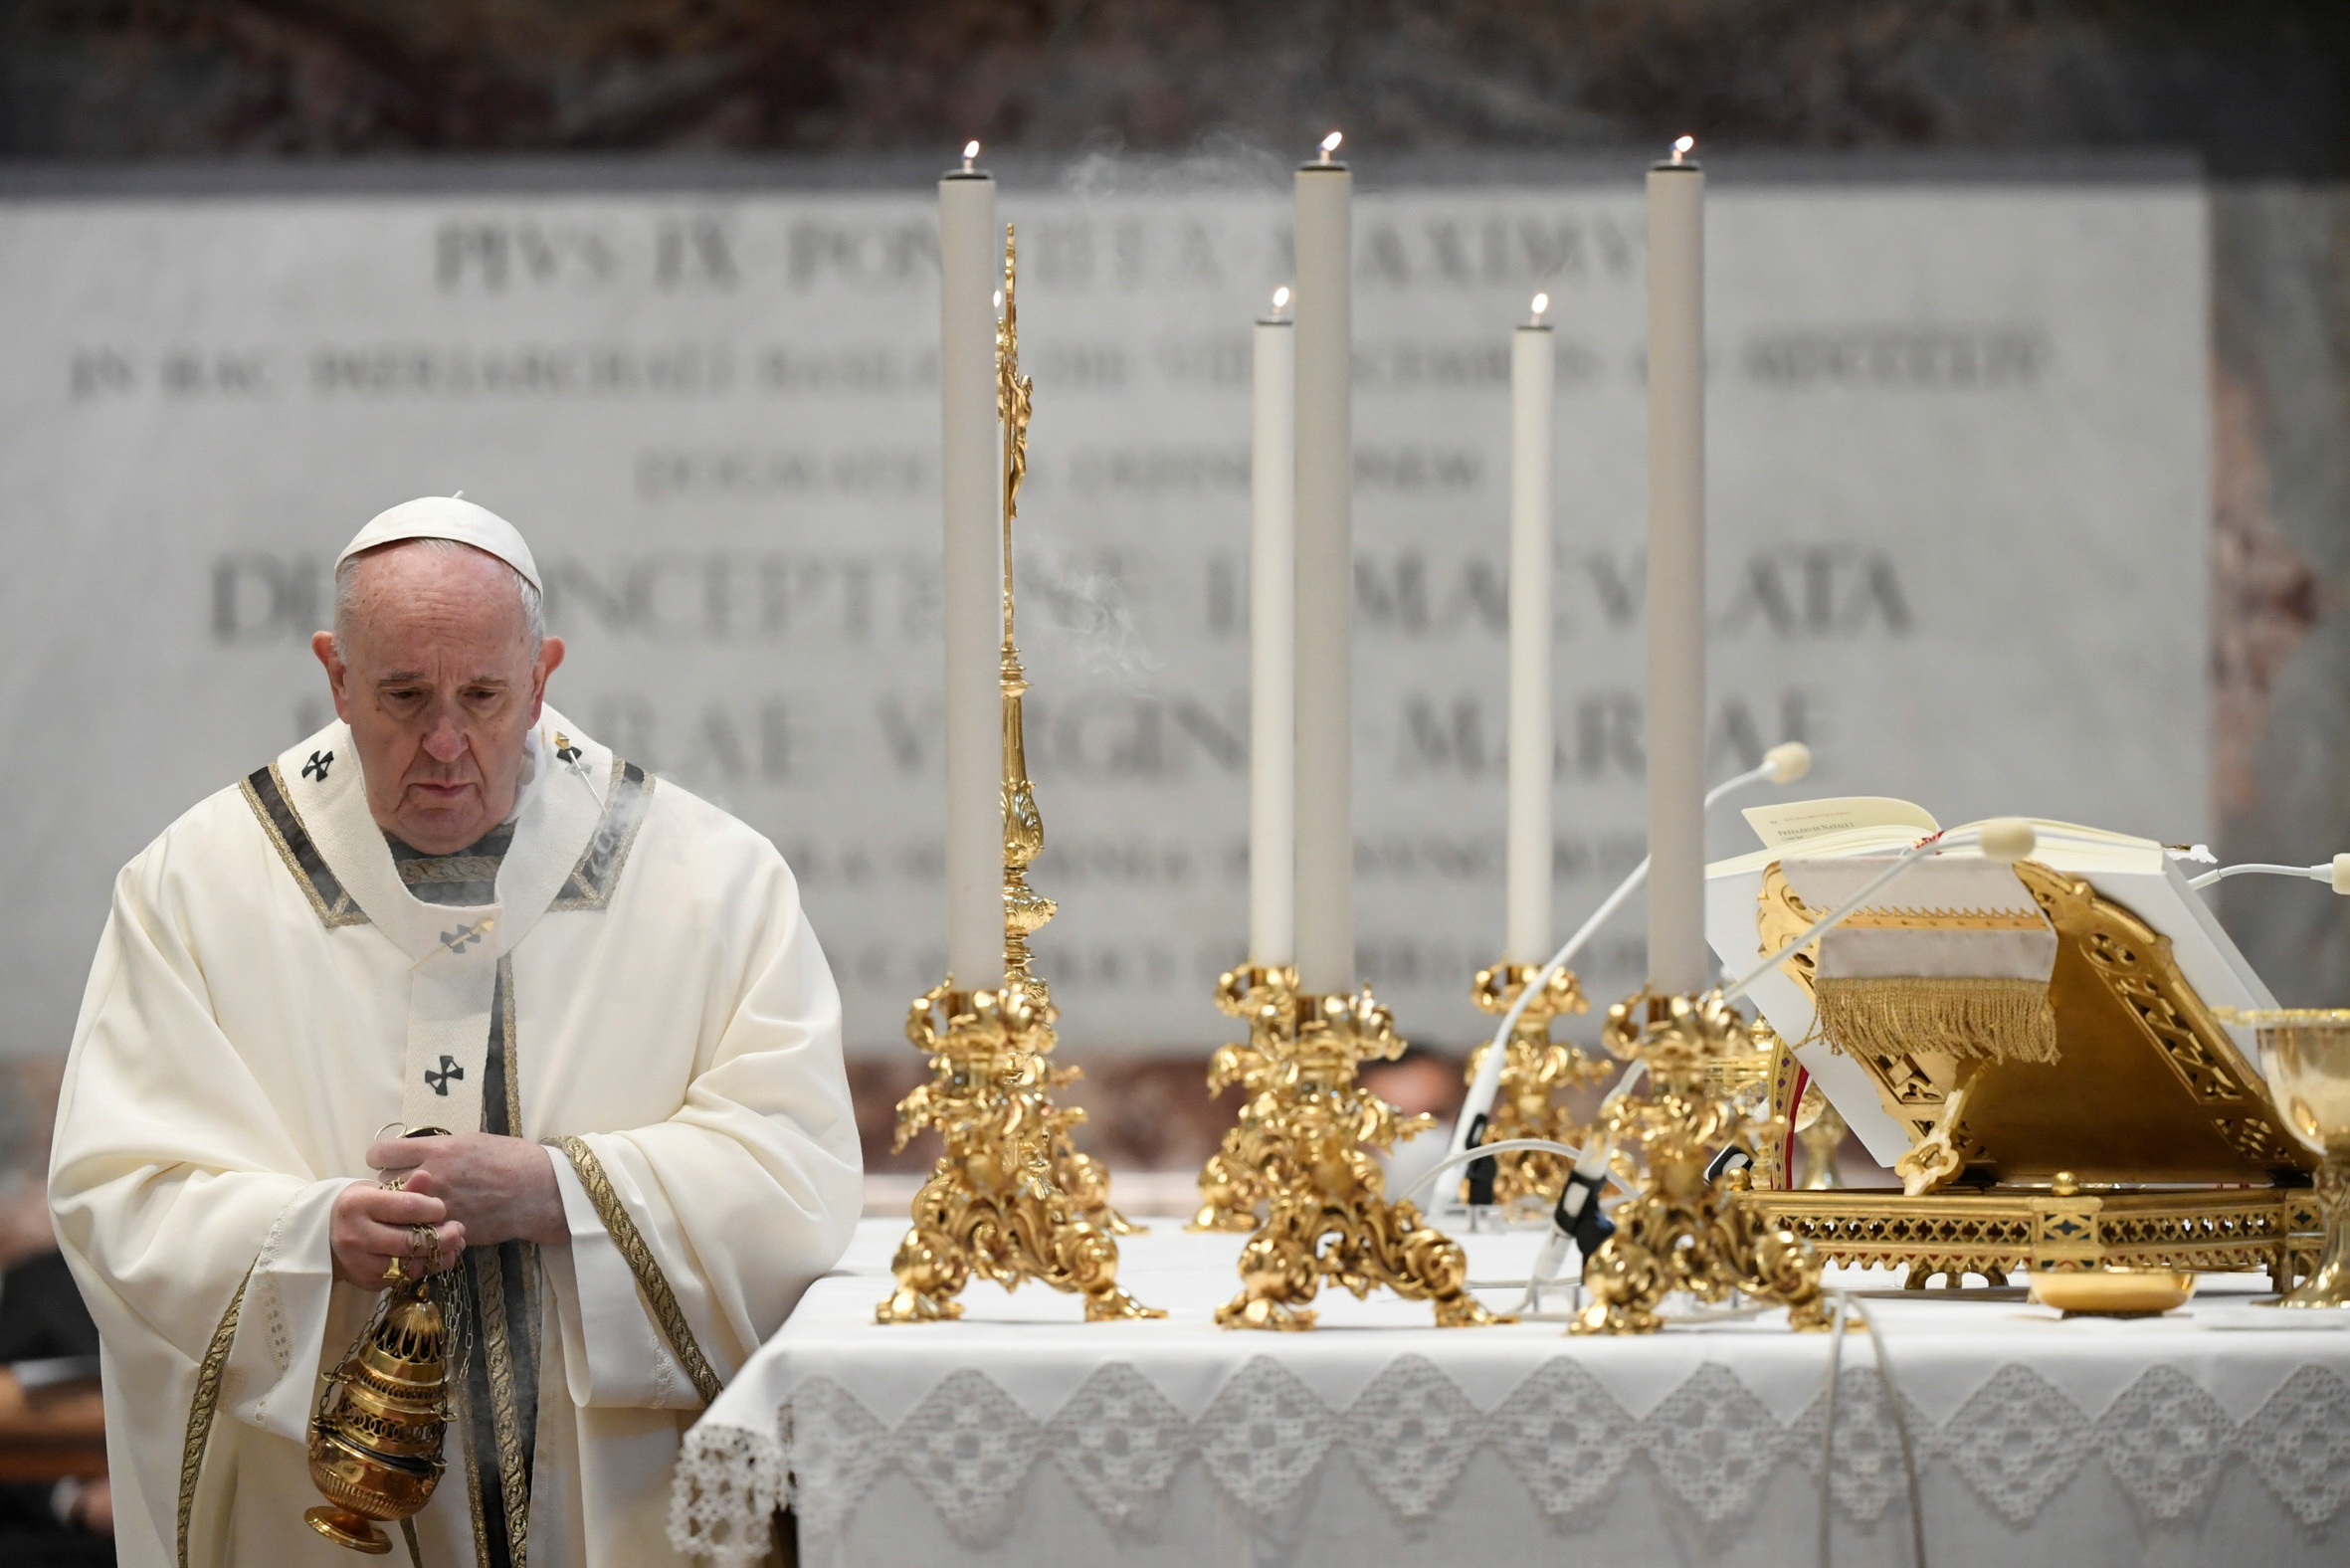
(447, 517)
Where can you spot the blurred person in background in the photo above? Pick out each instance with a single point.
(590, 996)
(48, 1353)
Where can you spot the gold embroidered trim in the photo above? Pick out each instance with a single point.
(511, 1072)
(462, 1386)
(345, 910)
(1945, 921)
(504, 1419)
(450, 869)
(593, 881)
(658, 1299)
(203, 1408)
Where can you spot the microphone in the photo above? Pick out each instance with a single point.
(2335, 873)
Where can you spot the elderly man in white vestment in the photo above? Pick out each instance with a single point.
(450, 908)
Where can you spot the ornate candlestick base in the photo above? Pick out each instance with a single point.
(994, 1205)
(1680, 1232)
(1534, 1069)
(1231, 1181)
(1326, 1211)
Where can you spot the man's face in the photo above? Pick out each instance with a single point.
(440, 684)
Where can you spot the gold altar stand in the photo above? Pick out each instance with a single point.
(2149, 1143)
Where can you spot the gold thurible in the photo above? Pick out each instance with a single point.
(1536, 1070)
(1010, 1197)
(376, 1440)
(1680, 1232)
(1325, 1213)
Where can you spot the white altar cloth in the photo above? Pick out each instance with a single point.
(1024, 1436)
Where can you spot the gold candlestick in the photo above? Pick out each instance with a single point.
(1534, 1070)
(1232, 1183)
(1680, 1232)
(1327, 1213)
(1011, 1199)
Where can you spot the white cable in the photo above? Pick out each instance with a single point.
(2334, 872)
(1835, 1358)
(1784, 763)
(1591, 1165)
(1427, 1177)
(1893, 1396)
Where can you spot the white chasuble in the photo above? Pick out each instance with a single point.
(640, 992)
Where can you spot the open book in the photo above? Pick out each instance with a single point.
(2146, 1085)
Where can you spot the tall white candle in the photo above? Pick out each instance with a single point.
(1533, 372)
(1273, 649)
(1676, 575)
(1325, 575)
(970, 266)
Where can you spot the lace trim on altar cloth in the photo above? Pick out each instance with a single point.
(2016, 1442)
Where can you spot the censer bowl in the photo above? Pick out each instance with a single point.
(362, 1487)
(2305, 1056)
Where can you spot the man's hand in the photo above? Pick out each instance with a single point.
(497, 1189)
(373, 1225)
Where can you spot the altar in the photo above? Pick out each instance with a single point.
(1024, 1435)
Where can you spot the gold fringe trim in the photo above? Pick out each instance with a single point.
(651, 1281)
(1970, 1018)
(203, 1408)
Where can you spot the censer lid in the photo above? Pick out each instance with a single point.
(411, 1346)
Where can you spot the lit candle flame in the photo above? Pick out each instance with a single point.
(1330, 143)
(1280, 296)
(999, 298)
(970, 151)
(1682, 146)
(1541, 303)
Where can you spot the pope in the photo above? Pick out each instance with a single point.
(447, 985)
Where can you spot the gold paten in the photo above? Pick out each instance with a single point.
(2305, 1058)
(375, 1440)
(1233, 1190)
(1680, 1232)
(993, 1205)
(1010, 1197)
(2114, 1292)
(2174, 1099)
(1327, 1213)
(1535, 1070)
